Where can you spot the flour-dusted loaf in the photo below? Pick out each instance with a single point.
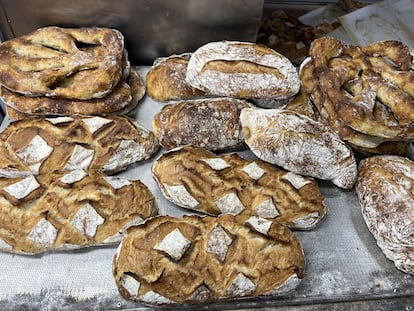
(299, 144)
(42, 145)
(385, 190)
(195, 259)
(211, 123)
(166, 79)
(69, 210)
(242, 70)
(196, 179)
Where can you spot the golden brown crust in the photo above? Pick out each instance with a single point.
(166, 79)
(211, 123)
(364, 93)
(69, 210)
(123, 98)
(80, 63)
(44, 145)
(225, 258)
(199, 180)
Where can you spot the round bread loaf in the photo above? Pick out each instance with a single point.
(242, 70)
(385, 190)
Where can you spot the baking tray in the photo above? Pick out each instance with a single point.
(343, 262)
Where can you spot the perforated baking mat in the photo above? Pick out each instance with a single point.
(343, 260)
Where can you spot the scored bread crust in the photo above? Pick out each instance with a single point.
(69, 210)
(385, 191)
(123, 98)
(195, 259)
(42, 145)
(81, 63)
(211, 123)
(166, 79)
(299, 144)
(199, 180)
(242, 70)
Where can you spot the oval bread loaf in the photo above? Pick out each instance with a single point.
(41, 145)
(299, 144)
(196, 179)
(211, 123)
(69, 210)
(385, 191)
(196, 259)
(242, 70)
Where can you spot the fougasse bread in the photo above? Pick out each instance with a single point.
(41, 145)
(168, 261)
(69, 210)
(299, 144)
(199, 180)
(211, 123)
(385, 191)
(76, 63)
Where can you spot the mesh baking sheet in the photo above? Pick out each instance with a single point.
(343, 260)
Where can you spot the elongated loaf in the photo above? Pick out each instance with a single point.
(385, 191)
(242, 70)
(299, 144)
(196, 259)
(211, 123)
(41, 145)
(68, 210)
(196, 179)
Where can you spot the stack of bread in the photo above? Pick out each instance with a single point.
(61, 71)
(66, 91)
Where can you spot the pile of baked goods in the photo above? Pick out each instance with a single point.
(66, 91)
(61, 71)
(70, 89)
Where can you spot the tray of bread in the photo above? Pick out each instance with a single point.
(224, 177)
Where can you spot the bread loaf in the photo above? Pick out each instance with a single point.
(166, 79)
(124, 97)
(299, 144)
(80, 63)
(42, 145)
(199, 180)
(211, 123)
(242, 70)
(68, 210)
(385, 191)
(196, 259)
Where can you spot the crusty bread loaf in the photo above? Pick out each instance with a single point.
(299, 144)
(166, 79)
(79, 63)
(196, 179)
(385, 191)
(41, 145)
(124, 97)
(196, 259)
(242, 70)
(67, 210)
(211, 123)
